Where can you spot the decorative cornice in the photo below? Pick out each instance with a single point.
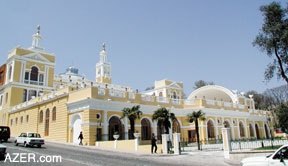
(37, 103)
(117, 106)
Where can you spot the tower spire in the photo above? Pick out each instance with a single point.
(38, 29)
(37, 40)
(103, 67)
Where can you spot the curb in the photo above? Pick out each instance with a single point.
(112, 150)
(232, 162)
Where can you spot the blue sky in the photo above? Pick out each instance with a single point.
(146, 40)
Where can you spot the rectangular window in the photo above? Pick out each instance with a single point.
(1, 98)
(31, 94)
(40, 77)
(24, 95)
(10, 72)
(6, 98)
(26, 76)
(11, 122)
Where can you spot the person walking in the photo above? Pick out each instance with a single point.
(153, 143)
(81, 138)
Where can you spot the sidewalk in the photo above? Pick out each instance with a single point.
(215, 158)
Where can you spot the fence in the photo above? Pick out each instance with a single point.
(212, 145)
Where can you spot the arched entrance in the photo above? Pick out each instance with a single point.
(251, 130)
(266, 131)
(242, 129)
(145, 129)
(175, 126)
(210, 128)
(76, 122)
(115, 126)
(227, 125)
(257, 131)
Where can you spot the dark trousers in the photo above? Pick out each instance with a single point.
(152, 147)
(80, 142)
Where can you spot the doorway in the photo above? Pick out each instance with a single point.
(192, 137)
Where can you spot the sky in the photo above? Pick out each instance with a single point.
(149, 40)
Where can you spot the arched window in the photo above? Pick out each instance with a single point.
(160, 94)
(27, 118)
(226, 124)
(47, 114)
(115, 125)
(241, 128)
(21, 119)
(145, 129)
(34, 74)
(41, 116)
(175, 126)
(54, 114)
(251, 130)
(174, 95)
(210, 128)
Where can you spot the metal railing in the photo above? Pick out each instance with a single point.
(175, 101)
(147, 98)
(101, 91)
(33, 82)
(116, 93)
(162, 99)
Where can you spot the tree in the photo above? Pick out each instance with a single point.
(273, 39)
(258, 99)
(195, 117)
(282, 115)
(163, 116)
(132, 114)
(149, 88)
(200, 83)
(278, 94)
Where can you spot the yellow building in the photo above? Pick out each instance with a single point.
(58, 107)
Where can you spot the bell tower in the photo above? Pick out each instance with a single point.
(37, 41)
(103, 68)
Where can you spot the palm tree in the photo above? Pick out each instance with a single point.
(163, 115)
(132, 114)
(195, 117)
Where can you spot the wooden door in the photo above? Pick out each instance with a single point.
(99, 134)
(192, 136)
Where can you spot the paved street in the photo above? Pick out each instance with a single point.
(83, 156)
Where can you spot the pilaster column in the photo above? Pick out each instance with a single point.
(126, 127)
(105, 121)
(264, 130)
(255, 134)
(216, 126)
(238, 129)
(246, 130)
(13, 66)
(155, 128)
(206, 127)
(232, 129)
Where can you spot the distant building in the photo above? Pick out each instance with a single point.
(58, 107)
